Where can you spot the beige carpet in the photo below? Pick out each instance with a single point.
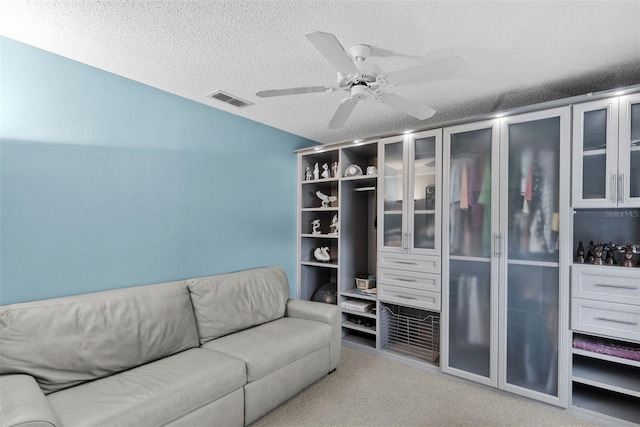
(369, 390)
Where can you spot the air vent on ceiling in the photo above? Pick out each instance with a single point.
(229, 99)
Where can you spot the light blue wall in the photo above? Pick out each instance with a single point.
(107, 183)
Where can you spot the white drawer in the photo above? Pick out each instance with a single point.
(606, 318)
(409, 297)
(615, 284)
(410, 262)
(409, 279)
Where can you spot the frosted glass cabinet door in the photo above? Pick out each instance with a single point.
(595, 161)
(532, 206)
(532, 328)
(533, 190)
(393, 221)
(469, 350)
(469, 201)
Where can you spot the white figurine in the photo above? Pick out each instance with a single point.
(326, 200)
(336, 169)
(325, 171)
(322, 254)
(316, 172)
(334, 225)
(307, 174)
(316, 226)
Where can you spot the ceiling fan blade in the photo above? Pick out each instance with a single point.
(342, 113)
(333, 51)
(426, 72)
(405, 105)
(293, 91)
(386, 53)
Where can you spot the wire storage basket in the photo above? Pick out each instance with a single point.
(410, 331)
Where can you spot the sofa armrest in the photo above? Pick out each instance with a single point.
(320, 312)
(22, 403)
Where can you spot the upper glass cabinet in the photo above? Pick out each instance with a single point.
(606, 153)
(410, 186)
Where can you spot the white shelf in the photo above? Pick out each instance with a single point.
(599, 402)
(360, 328)
(352, 293)
(606, 357)
(350, 339)
(368, 314)
(598, 152)
(468, 258)
(607, 375)
(533, 263)
(319, 209)
(320, 264)
(359, 177)
(318, 181)
(320, 236)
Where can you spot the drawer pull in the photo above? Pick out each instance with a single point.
(402, 279)
(406, 262)
(606, 285)
(625, 322)
(405, 297)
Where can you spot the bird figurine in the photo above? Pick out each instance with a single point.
(315, 224)
(334, 226)
(322, 254)
(326, 200)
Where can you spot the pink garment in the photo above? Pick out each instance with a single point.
(464, 187)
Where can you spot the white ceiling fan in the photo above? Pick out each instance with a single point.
(361, 78)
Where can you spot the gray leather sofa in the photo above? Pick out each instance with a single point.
(217, 350)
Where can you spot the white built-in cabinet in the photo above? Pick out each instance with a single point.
(471, 231)
(605, 299)
(505, 203)
(344, 228)
(409, 242)
(606, 153)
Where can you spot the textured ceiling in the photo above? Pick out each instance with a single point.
(519, 52)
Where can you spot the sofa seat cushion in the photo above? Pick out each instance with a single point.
(270, 346)
(151, 394)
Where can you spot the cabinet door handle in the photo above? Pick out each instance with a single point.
(402, 279)
(497, 242)
(621, 188)
(406, 297)
(606, 285)
(625, 322)
(614, 188)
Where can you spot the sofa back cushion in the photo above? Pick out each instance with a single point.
(232, 302)
(65, 341)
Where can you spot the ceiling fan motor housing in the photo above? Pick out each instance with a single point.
(359, 92)
(368, 71)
